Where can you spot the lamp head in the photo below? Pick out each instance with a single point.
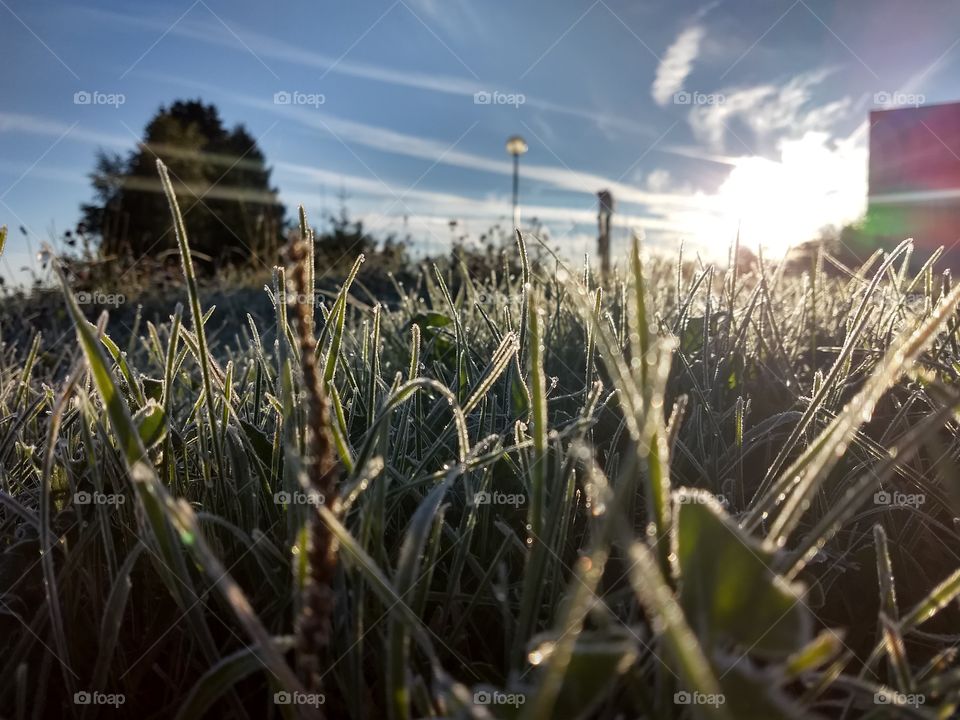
(516, 145)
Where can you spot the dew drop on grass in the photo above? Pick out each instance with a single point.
(541, 653)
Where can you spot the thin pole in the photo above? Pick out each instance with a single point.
(516, 187)
(603, 240)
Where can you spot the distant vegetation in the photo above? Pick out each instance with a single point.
(221, 174)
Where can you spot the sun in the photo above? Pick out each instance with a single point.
(778, 204)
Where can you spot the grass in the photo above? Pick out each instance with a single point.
(679, 492)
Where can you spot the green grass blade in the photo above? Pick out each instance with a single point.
(196, 312)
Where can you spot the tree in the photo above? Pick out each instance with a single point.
(222, 181)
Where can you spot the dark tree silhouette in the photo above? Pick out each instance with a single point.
(222, 181)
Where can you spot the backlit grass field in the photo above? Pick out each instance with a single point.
(680, 492)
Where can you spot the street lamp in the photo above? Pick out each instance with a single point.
(516, 146)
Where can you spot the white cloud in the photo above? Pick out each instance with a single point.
(658, 180)
(49, 127)
(455, 17)
(70, 176)
(677, 64)
(282, 50)
(767, 110)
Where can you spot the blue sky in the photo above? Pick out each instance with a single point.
(700, 117)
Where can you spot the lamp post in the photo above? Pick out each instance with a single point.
(516, 146)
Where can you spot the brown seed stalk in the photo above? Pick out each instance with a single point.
(321, 475)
